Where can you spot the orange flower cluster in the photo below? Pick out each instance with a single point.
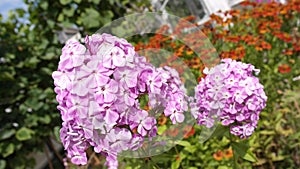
(266, 19)
(195, 44)
(219, 155)
(236, 54)
(186, 131)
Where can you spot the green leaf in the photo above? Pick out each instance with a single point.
(249, 156)
(7, 134)
(69, 12)
(175, 164)
(32, 62)
(64, 2)
(190, 149)
(267, 132)
(44, 5)
(161, 129)
(219, 131)
(183, 143)
(96, 1)
(77, 1)
(56, 132)
(60, 17)
(8, 150)
(10, 56)
(222, 167)
(45, 119)
(24, 134)
(6, 76)
(240, 148)
(51, 23)
(2, 164)
(108, 16)
(111, 2)
(91, 18)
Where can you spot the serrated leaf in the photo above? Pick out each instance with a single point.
(24, 134)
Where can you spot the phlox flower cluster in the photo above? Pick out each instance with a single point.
(98, 87)
(231, 94)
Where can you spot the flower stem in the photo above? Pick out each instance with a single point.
(234, 158)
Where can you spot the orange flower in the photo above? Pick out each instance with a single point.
(162, 120)
(234, 39)
(139, 46)
(163, 29)
(283, 36)
(230, 54)
(146, 107)
(190, 18)
(188, 131)
(288, 52)
(296, 47)
(173, 132)
(189, 52)
(228, 153)
(258, 48)
(240, 52)
(284, 68)
(179, 52)
(173, 45)
(266, 45)
(263, 45)
(248, 3)
(216, 18)
(134, 130)
(218, 155)
(263, 31)
(194, 63)
(283, 11)
(234, 12)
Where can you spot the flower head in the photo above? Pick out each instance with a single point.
(231, 94)
(98, 86)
